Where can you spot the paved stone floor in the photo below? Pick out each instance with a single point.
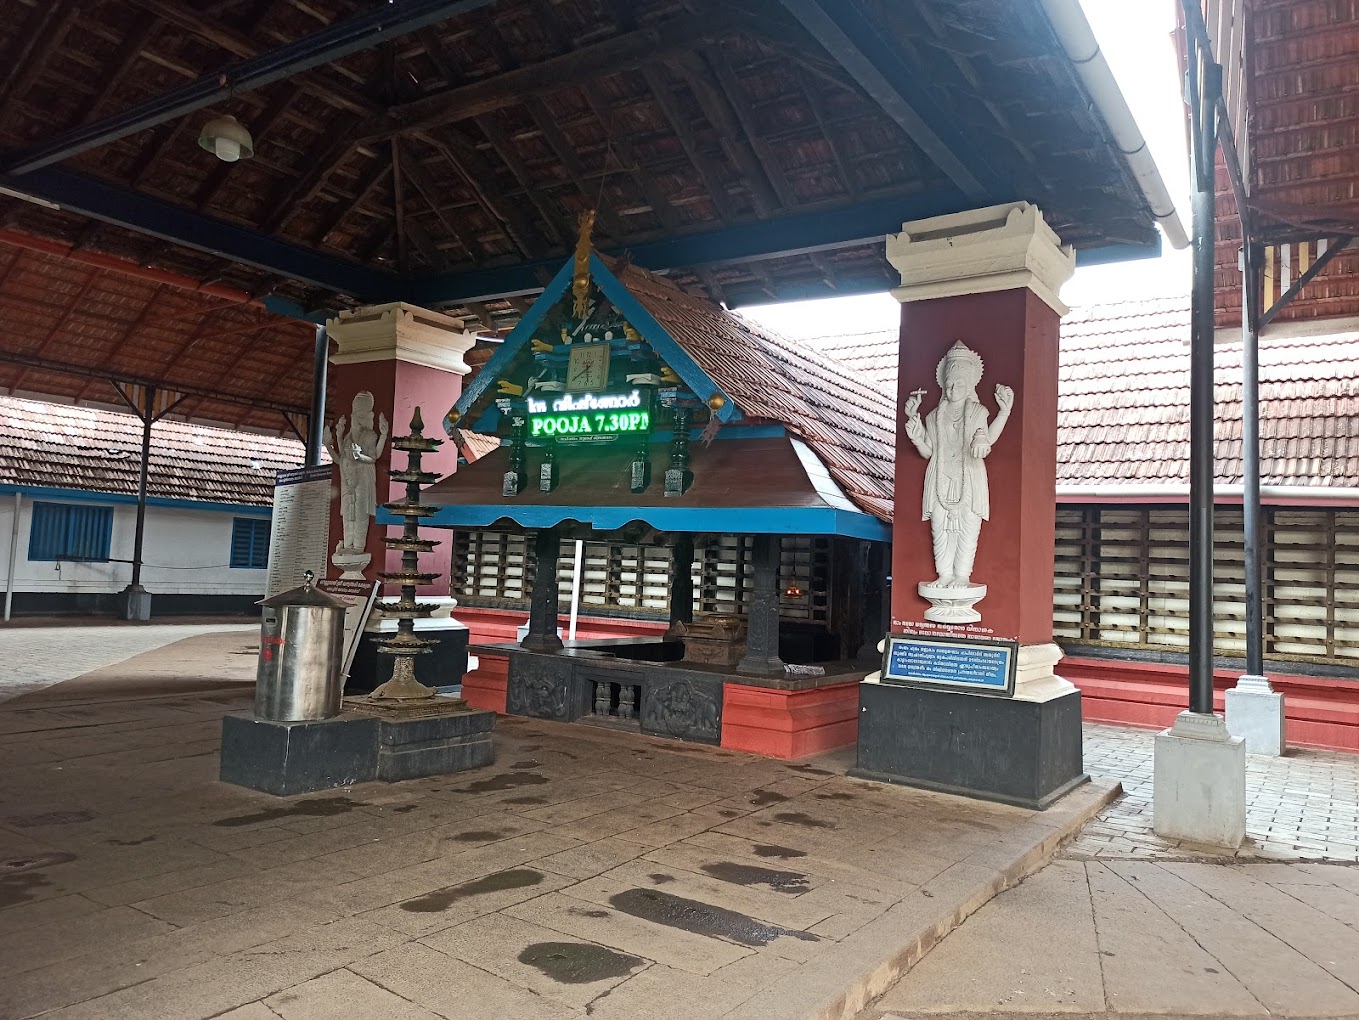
(37, 657)
(1303, 806)
(589, 872)
(1127, 924)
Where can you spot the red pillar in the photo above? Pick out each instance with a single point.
(405, 357)
(989, 279)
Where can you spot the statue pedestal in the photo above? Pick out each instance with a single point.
(951, 605)
(352, 562)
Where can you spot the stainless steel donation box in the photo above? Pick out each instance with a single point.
(301, 655)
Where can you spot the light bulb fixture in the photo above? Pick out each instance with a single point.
(227, 139)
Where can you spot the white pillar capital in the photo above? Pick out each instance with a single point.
(401, 332)
(1001, 247)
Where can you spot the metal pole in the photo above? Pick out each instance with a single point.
(317, 422)
(1250, 457)
(13, 555)
(1201, 422)
(575, 588)
(148, 417)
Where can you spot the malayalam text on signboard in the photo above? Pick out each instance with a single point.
(981, 667)
(589, 417)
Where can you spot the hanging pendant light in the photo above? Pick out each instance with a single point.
(227, 139)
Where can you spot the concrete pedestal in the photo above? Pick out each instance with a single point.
(1200, 782)
(288, 758)
(1255, 713)
(135, 603)
(1014, 751)
(435, 746)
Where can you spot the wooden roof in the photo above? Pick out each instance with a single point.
(1303, 99)
(720, 140)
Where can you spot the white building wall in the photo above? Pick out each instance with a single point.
(186, 552)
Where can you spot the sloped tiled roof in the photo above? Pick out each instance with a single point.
(871, 355)
(1123, 405)
(68, 447)
(845, 419)
(1123, 411)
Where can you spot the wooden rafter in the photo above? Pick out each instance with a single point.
(302, 189)
(51, 22)
(399, 208)
(466, 102)
(717, 108)
(369, 180)
(142, 32)
(679, 123)
(321, 85)
(420, 181)
(502, 144)
(627, 155)
(764, 152)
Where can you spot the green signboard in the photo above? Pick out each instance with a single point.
(589, 417)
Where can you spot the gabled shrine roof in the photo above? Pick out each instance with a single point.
(845, 420)
(767, 380)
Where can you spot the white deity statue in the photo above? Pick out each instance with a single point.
(956, 438)
(356, 451)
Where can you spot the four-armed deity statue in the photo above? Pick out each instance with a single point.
(355, 451)
(956, 437)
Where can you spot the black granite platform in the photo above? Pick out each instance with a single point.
(1017, 752)
(287, 758)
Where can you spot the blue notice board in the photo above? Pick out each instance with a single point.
(961, 664)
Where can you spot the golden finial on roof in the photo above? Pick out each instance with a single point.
(580, 281)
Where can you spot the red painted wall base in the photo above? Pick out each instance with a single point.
(789, 724)
(1318, 711)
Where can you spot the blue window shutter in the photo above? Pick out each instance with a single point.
(65, 531)
(249, 543)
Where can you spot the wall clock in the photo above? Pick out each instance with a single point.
(588, 367)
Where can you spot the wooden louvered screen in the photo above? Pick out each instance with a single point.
(617, 575)
(489, 569)
(1122, 581)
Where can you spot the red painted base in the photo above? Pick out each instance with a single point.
(1319, 712)
(789, 724)
(485, 686)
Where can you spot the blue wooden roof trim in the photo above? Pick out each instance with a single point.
(661, 342)
(722, 520)
(42, 493)
(516, 341)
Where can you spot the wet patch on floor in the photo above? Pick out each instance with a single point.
(31, 862)
(806, 821)
(404, 809)
(728, 813)
(322, 807)
(504, 781)
(701, 918)
(578, 963)
(442, 899)
(791, 882)
(46, 818)
(526, 800)
(130, 842)
(16, 889)
(660, 879)
(835, 796)
(810, 770)
(477, 836)
(519, 766)
(763, 798)
(773, 850)
(582, 912)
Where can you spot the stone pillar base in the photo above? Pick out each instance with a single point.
(135, 603)
(1200, 782)
(1255, 712)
